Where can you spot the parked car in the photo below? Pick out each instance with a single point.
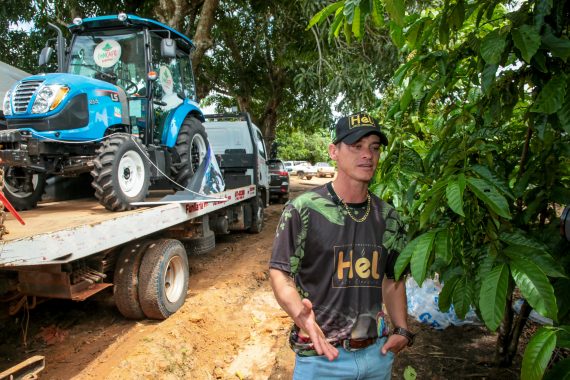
(278, 180)
(303, 169)
(324, 169)
(288, 166)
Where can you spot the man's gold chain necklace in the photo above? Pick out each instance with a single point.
(357, 220)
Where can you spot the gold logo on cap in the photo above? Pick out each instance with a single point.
(361, 120)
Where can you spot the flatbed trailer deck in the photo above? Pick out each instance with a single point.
(74, 249)
(62, 232)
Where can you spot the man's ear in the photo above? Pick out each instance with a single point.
(333, 152)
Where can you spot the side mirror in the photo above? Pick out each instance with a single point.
(168, 48)
(45, 55)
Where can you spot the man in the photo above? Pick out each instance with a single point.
(332, 266)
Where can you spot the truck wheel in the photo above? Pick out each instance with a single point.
(257, 214)
(308, 176)
(163, 278)
(23, 188)
(121, 173)
(191, 147)
(301, 175)
(201, 245)
(283, 199)
(126, 280)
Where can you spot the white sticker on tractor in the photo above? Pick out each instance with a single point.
(107, 53)
(165, 80)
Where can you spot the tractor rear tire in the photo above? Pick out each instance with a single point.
(121, 173)
(19, 197)
(191, 148)
(126, 280)
(163, 278)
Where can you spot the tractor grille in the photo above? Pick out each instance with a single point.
(23, 95)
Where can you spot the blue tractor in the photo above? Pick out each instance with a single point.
(122, 107)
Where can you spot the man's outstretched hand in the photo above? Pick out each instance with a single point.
(306, 321)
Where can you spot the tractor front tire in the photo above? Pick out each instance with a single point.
(191, 148)
(18, 191)
(121, 173)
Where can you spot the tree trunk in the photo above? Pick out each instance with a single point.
(504, 333)
(203, 38)
(509, 334)
(520, 323)
(171, 13)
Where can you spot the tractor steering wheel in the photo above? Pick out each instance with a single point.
(128, 85)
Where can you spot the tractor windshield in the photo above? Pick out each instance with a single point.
(114, 56)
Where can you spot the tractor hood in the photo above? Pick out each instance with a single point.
(65, 107)
(46, 94)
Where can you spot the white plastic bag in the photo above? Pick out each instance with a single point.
(422, 304)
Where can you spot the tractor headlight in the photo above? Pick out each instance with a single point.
(6, 103)
(49, 97)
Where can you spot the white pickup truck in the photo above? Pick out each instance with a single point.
(303, 169)
(324, 169)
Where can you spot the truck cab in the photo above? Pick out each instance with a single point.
(240, 150)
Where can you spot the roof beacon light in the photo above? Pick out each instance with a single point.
(122, 16)
(77, 21)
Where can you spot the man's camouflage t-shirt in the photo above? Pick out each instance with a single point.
(338, 263)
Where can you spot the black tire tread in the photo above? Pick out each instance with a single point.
(256, 223)
(103, 169)
(201, 245)
(28, 203)
(181, 168)
(151, 298)
(126, 280)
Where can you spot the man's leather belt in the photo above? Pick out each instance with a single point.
(357, 344)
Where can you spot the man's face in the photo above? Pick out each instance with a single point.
(358, 160)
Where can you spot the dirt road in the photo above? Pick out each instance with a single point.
(230, 327)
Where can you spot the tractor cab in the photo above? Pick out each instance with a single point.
(148, 60)
(123, 97)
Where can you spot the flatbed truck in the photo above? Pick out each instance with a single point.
(74, 249)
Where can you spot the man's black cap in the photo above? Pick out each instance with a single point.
(350, 129)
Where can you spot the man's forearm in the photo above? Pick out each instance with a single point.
(286, 293)
(394, 296)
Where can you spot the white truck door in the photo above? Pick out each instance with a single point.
(262, 159)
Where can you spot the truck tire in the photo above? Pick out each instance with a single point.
(301, 174)
(191, 148)
(163, 278)
(15, 191)
(308, 176)
(201, 245)
(126, 280)
(257, 215)
(121, 173)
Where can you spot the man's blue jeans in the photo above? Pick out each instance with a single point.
(367, 363)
